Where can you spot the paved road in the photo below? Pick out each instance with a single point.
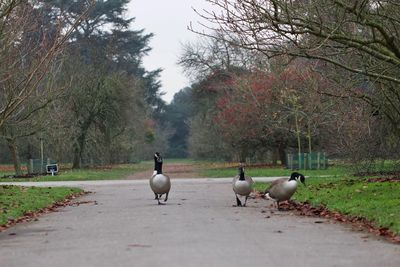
(198, 227)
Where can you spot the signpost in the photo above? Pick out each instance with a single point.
(52, 168)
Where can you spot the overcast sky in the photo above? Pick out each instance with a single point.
(168, 21)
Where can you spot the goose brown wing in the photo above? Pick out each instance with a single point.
(275, 183)
(249, 180)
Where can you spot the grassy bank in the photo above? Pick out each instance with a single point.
(334, 188)
(15, 201)
(376, 201)
(231, 171)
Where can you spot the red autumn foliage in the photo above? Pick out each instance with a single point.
(7, 168)
(254, 98)
(240, 108)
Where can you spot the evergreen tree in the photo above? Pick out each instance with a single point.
(178, 114)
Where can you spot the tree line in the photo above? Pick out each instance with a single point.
(72, 78)
(274, 76)
(268, 77)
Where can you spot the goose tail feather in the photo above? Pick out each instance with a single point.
(268, 196)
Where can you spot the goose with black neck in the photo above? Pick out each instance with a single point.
(160, 183)
(242, 186)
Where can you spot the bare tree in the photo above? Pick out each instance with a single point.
(209, 55)
(357, 37)
(30, 56)
(33, 116)
(28, 49)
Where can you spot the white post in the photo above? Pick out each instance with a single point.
(41, 155)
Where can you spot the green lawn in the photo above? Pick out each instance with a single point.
(378, 202)
(15, 201)
(269, 172)
(206, 169)
(335, 188)
(116, 172)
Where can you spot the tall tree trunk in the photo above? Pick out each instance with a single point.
(279, 152)
(282, 152)
(298, 138)
(309, 144)
(79, 149)
(275, 156)
(76, 163)
(12, 145)
(309, 136)
(108, 142)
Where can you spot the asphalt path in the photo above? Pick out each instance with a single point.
(120, 224)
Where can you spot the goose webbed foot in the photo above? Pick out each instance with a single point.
(166, 197)
(158, 197)
(245, 201)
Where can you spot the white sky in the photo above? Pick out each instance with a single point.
(168, 21)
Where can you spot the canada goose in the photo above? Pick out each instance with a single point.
(243, 186)
(159, 182)
(282, 189)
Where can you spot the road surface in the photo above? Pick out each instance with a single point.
(122, 225)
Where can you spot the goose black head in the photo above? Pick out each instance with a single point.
(241, 172)
(157, 157)
(298, 176)
(158, 163)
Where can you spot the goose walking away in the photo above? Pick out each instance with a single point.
(283, 189)
(242, 186)
(159, 182)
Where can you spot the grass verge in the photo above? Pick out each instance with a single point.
(17, 201)
(377, 202)
(230, 171)
(110, 173)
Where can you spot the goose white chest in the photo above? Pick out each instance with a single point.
(290, 186)
(242, 187)
(160, 183)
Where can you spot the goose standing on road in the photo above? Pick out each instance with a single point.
(243, 186)
(159, 182)
(283, 189)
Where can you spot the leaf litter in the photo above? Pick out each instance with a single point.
(33, 215)
(321, 211)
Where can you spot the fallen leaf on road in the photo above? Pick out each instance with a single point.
(306, 209)
(94, 202)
